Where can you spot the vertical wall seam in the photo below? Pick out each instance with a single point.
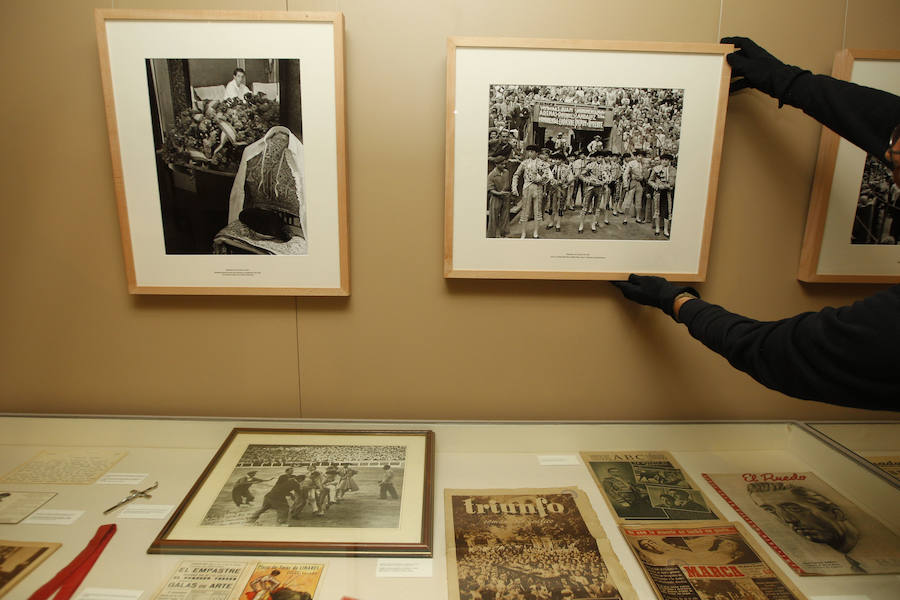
(721, 13)
(299, 370)
(846, 13)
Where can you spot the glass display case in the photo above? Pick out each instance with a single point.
(875, 444)
(467, 455)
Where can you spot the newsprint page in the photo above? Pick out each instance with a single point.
(544, 542)
(812, 527)
(235, 580)
(707, 561)
(647, 486)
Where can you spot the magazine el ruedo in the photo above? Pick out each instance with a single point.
(810, 525)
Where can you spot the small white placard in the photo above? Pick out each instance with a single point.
(404, 567)
(108, 594)
(49, 516)
(558, 460)
(145, 511)
(123, 478)
(845, 597)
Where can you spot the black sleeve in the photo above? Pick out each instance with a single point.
(847, 356)
(862, 115)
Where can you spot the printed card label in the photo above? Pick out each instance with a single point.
(122, 478)
(48, 516)
(146, 511)
(558, 460)
(404, 567)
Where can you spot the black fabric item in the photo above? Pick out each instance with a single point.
(759, 69)
(265, 222)
(862, 115)
(845, 356)
(859, 114)
(652, 291)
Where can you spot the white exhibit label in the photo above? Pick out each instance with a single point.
(404, 567)
(49, 516)
(558, 460)
(145, 511)
(123, 478)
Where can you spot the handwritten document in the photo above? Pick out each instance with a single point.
(73, 466)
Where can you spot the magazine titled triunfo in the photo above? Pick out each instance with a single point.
(514, 542)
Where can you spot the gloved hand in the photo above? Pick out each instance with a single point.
(759, 69)
(652, 291)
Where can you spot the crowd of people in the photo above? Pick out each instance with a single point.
(264, 455)
(646, 119)
(594, 187)
(626, 169)
(877, 218)
(524, 571)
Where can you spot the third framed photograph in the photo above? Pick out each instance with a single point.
(310, 492)
(572, 159)
(853, 225)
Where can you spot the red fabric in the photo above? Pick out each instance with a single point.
(69, 578)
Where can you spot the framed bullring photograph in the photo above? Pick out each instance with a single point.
(227, 140)
(574, 159)
(317, 492)
(853, 225)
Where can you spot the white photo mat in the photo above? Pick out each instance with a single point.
(130, 43)
(702, 75)
(838, 258)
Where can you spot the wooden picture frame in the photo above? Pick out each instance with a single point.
(237, 506)
(845, 237)
(228, 145)
(580, 90)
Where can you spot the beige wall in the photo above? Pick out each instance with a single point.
(407, 343)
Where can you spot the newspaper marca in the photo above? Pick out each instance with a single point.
(540, 506)
(713, 572)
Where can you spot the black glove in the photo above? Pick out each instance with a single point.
(652, 291)
(759, 69)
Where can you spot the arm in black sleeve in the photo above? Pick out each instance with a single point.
(845, 356)
(862, 115)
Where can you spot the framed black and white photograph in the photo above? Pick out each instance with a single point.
(310, 492)
(227, 138)
(581, 160)
(853, 226)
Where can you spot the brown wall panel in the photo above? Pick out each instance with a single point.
(407, 343)
(73, 339)
(872, 24)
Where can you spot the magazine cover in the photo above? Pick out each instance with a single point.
(540, 543)
(888, 464)
(812, 527)
(711, 561)
(235, 580)
(647, 486)
(18, 559)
